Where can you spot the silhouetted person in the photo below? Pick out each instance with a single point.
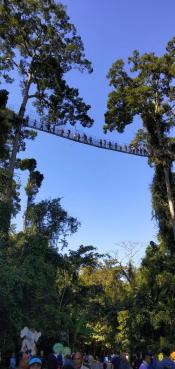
(166, 363)
(146, 356)
(115, 361)
(52, 361)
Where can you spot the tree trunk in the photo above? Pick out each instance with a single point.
(18, 133)
(16, 142)
(25, 215)
(166, 169)
(170, 197)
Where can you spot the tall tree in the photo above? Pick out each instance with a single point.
(33, 184)
(152, 301)
(9, 205)
(160, 208)
(75, 306)
(6, 117)
(30, 263)
(106, 302)
(38, 40)
(148, 91)
(51, 220)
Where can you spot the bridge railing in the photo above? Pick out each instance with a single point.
(87, 139)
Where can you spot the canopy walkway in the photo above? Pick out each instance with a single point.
(85, 139)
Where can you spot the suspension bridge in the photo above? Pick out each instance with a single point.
(85, 139)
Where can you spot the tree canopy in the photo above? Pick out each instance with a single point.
(147, 90)
(39, 41)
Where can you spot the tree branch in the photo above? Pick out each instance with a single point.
(124, 272)
(33, 96)
(18, 66)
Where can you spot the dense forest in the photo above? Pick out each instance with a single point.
(91, 299)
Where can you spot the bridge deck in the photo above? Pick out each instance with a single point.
(88, 140)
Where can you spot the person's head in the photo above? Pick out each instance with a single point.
(78, 360)
(35, 363)
(166, 352)
(147, 356)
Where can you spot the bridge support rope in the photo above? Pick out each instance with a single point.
(88, 140)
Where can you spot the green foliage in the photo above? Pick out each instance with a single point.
(34, 183)
(108, 295)
(6, 120)
(9, 187)
(122, 337)
(152, 302)
(9, 124)
(51, 220)
(100, 302)
(147, 90)
(8, 207)
(37, 38)
(35, 178)
(27, 288)
(160, 207)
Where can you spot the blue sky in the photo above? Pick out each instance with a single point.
(108, 192)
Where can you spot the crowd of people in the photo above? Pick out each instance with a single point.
(77, 360)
